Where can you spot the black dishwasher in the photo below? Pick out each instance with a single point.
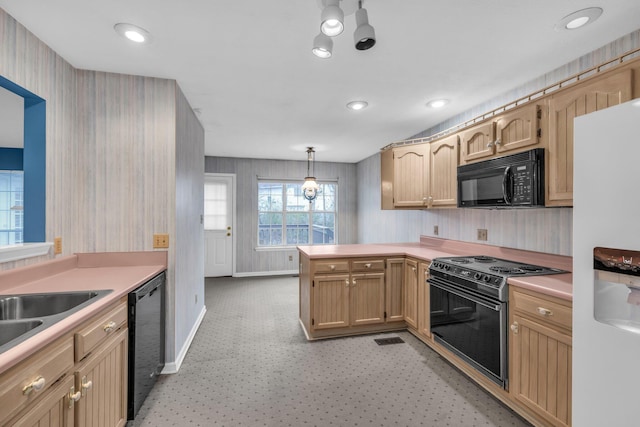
(146, 340)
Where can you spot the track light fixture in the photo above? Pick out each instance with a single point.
(364, 37)
(322, 46)
(332, 24)
(332, 19)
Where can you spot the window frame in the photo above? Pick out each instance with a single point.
(310, 212)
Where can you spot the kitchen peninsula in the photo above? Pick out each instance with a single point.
(371, 288)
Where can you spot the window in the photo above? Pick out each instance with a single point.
(285, 217)
(11, 205)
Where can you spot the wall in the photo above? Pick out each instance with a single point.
(116, 147)
(247, 171)
(189, 234)
(545, 230)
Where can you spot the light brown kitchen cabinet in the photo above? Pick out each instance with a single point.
(78, 380)
(424, 301)
(443, 180)
(354, 298)
(595, 94)
(102, 382)
(411, 292)
(411, 175)
(540, 354)
(519, 129)
(477, 142)
(394, 290)
(54, 408)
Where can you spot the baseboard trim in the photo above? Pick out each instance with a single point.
(267, 273)
(174, 367)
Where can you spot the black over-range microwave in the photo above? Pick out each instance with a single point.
(511, 181)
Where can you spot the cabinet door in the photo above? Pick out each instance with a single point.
(330, 301)
(55, 409)
(386, 179)
(394, 293)
(424, 301)
(410, 175)
(540, 369)
(477, 142)
(102, 381)
(367, 298)
(582, 99)
(411, 293)
(443, 172)
(519, 129)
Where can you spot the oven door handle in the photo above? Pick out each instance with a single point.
(506, 185)
(447, 288)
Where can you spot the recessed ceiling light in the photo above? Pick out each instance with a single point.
(357, 105)
(579, 18)
(133, 32)
(438, 103)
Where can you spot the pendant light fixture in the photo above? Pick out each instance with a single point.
(322, 46)
(364, 37)
(332, 19)
(310, 188)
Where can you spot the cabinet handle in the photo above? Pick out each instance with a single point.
(347, 282)
(367, 265)
(414, 269)
(515, 327)
(498, 142)
(489, 145)
(35, 386)
(544, 312)
(354, 282)
(86, 385)
(73, 396)
(109, 327)
(332, 267)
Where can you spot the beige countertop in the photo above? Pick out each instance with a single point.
(558, 285)
(121, 272)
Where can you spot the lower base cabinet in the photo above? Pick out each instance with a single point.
(540, 356)
(78, 380)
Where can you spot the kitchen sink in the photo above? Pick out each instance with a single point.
(24, 315)
(11, 330)
(15, 307)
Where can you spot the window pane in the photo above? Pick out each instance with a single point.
(323, 228)
(215, 206)
(295, 200)
(269, 196)
(326, 200)
(11, 206)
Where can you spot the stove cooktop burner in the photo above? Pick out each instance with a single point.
(461, 260)
(483, 258)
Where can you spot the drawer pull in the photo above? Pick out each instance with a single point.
(515, 327)
(110, 327)
(332, 267)
(73, 396)
(86, 385)
(354, 282)
(544, 312)
(347, 282)
(35, 386)
(367, 265)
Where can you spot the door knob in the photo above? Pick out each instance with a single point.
(228, 234)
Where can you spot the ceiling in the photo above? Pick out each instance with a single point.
(246, 67)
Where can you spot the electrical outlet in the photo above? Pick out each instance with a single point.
(290, 257)
(435, 230)
(482, 234)
(57, 245)
(160, 241)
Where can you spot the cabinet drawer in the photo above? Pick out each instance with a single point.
(371, 265)
(26, 382)
(332, 267)
(98, 330)
(543, 309)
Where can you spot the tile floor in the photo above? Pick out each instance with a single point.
(250, 365)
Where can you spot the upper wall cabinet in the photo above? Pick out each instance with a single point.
(596, 94)
(443, 180)
(518, 129)
(411, 175)
(478, 142)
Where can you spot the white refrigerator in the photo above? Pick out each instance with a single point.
(606, 214)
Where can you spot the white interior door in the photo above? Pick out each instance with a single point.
(218, 224)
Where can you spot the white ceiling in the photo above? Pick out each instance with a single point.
(247, 65)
